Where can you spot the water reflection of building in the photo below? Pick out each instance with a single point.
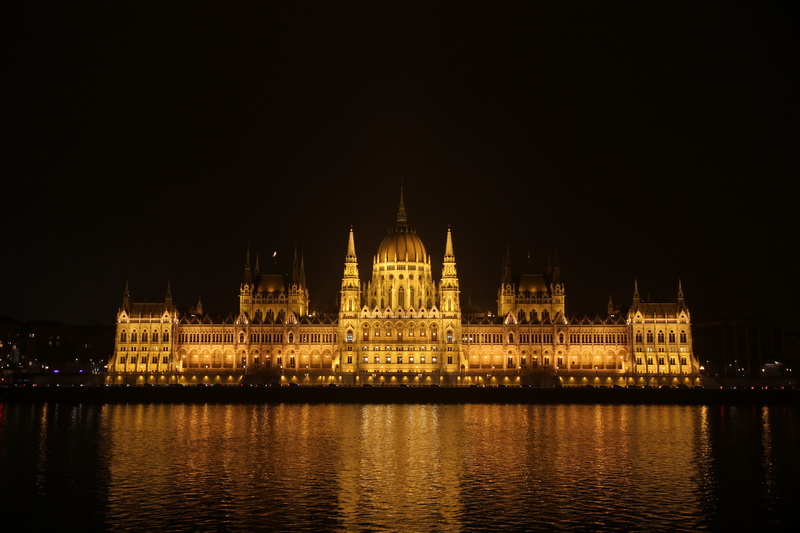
(401, 327)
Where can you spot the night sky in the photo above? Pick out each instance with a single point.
(649, 141)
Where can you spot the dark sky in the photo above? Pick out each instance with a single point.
(649, 141)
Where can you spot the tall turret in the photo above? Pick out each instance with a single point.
(351, 291)
(448, 288)
(506, 294)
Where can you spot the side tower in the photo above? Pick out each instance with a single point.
(273, 296)
(537, 297)
(349, 309)
(450, 307)
(144, 346)
(662, 341)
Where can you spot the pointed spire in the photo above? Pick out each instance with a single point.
(507, 277)
(351, 245)
(556, 269)
(199, 309)
(126, 297)
(295, 267)
(635, 292)
(258, 267)
(168, 297)
(448, 248)
(247, 275)
(402, 217)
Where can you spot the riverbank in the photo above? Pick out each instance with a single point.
(368, 395)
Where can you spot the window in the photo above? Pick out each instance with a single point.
(155, 336)
(122, 360)
(638, 360)
(649, 336)
(400, 359)
(388, 359)
(671, 336)
(154, 359)
(165, 359)
(422, 360)
(449, 336)
(660, 336)
(683, 336)
(638, 336)
(377, 360)
(349, 336)
(365, 359)
(411, 359)
(144, 336)
(133, 336)
(166, 336)
(123, 336)
(133, 359)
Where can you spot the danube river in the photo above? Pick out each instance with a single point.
(390, 467)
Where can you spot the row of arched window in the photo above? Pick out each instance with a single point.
(401, 330)
(153, 360)
(123, 336)
(660, 336)
(398, 359)
(532, 315)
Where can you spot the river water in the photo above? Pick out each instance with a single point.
(470, 467)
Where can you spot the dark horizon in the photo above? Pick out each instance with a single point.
(649, 144)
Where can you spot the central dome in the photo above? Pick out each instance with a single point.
(402, 243)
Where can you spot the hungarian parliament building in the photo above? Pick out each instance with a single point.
(402, 328)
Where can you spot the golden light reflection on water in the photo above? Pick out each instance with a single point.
(407, 467)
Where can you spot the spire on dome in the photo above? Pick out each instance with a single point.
(402, 217)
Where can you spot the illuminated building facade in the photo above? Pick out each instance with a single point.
(402, 327)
